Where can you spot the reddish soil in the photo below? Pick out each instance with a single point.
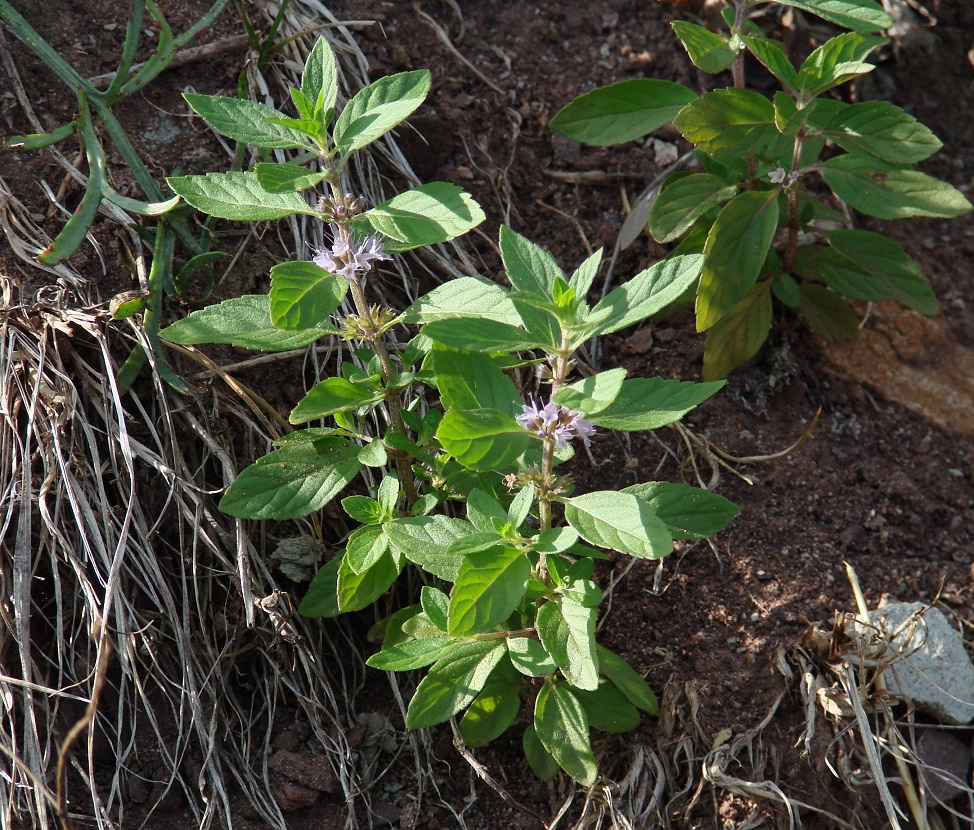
(884, 486)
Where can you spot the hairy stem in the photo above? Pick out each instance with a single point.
(793, 223)
(737, 67)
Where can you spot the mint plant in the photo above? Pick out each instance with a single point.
(757, 211)
(468, 492)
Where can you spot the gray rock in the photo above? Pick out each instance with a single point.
(938, 675)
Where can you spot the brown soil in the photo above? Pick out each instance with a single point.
(885, 481)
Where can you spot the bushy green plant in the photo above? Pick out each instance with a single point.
(755, 211)
(468, 491)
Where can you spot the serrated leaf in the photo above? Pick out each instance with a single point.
(363, 509)
(651, 403)
(608, 709)
(728, 122)
(365, 547)
(285, 178)
(530, 657)
(237, 196)
(244, 322)
(485, 439)
(883, 130)
(480, 335)
(562, 727)
(529, 267)
(621, 112)
(645, 294)
(359, 590)
(490, 585)
(425, 215)
(772, 54)
(321, 599)
(378, 108)
(736, 337)
(708, 50)
(584, 275)
(333, 395)
(685, 200)
(436, 605)
(469, 380)
(484, 512)
(319, 82)
(453, 682)
(374, 454)
(303, 295)
(836, 61)
(591, 394)
(736, 248)
(628, 681)
(292, 482)
(889, 192)
(688, 512)
(539, 759)
(411, 654)
(567, 632)
(425, 541)
(619, 521)
(492, 711)
(827, 313)
(464, 297)
(245, 121)
(859, 15)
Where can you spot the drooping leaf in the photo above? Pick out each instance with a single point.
(333, 395)
(736, 337)
(592, 394)
(493, 710)
(619, 521)
(245, 121)
(608, 709)
(470, 380)
(292, 482)
(736, 248)
(425, 215)
(728, 122)
(490, 585)
(688, 512)
(244, 322)
(486, 439)
(708, 50)
(359, 590)
(628, 681)
(463, 297)
(567, 632)
(237, 196)
(303, 295)
(786, 289)
(827, 313)
(651, 403)
(858, 15)
(530, 657)
(480, 335)
(379, 107)
(772, 54)
(539, 759)
(684, 201)
(882, 130)
(321, 599)
(621, 112)
(562, 728)
(425, 541)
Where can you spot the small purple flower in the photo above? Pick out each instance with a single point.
(555, 422)
(349, 260)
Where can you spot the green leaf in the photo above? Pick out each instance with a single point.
(292, 482)
(303, 295)
(737, 245)
(567, 631)
(333, 395)
(889, 192)
(453, 682)
(425, 541)
(628, 681)
(436, 605)
(434, 212)
(562, 728)
(608, 709)
(540, 318)
(237, 196)
(736, 337)
(411, 654)
(556, 540)
(363, 509)
(484, 512)
(683, 201)
(379, 107)
(584, 275)
(486, 439)
(470, 380)
(591, 394)
(492, 712)
(859, 15)
(708, 50)
(374, 454)
(688, 512)
(651, 403)
(621, 112)
(490, 585)
(772, 54)
(285, 178)
(530, 268)
(883, 130)
(319, 83)
(245, 121)
(321, 600)
(619, 521)
(521, 506)
(359, 590)
(728, 122)
(464, 297)
(480, 335)
(827, 313)
(836, 61)
(786, 289)
(530, 657)
(539, 759)
(365, 547)
(244, 322)
(645, 294)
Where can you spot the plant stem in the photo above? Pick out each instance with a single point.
(737, 67)
(793, 224)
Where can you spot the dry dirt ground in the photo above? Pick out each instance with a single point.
(884, 482)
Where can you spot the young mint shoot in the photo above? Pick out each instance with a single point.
(469, 493)
(761, 206)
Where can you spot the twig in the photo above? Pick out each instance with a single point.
(573, 220)
(445, 38)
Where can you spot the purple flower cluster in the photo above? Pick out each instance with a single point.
(557, 422)
(350, 260)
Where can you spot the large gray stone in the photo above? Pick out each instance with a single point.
(938, 675)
